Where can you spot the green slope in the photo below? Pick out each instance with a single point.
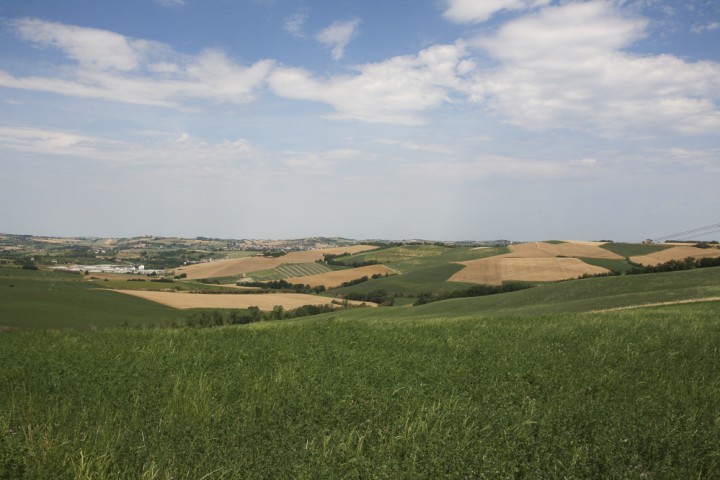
(631, 394)
(49, 300)
(407, 258)
(589, 294)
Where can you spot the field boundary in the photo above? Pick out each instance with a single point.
(658, 304)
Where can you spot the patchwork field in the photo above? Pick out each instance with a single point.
(266, 302)
(496, 270)
(536, 262)
(675, 253)
(336, 278)
(238, 266)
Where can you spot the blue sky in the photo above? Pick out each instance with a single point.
(436, 119)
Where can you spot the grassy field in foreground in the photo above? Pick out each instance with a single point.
(631, 394)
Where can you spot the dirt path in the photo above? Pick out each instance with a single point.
(659, 304)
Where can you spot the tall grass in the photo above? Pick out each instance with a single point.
(631, 394)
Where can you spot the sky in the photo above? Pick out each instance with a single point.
(432, 119)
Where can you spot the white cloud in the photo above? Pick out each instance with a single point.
(565, 67)
(171, 3)
(113, 67)
(397, 90)
(420, 147)
(476, 11)
(295, 24)
(708, 27)
(90, 47)
(337, 36)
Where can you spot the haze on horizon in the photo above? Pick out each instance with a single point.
(443, 119)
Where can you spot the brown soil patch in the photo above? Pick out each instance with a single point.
(574, 249)
(495, 270)
(265, 302)
(676, 253)
(338, 277)
(238, 266)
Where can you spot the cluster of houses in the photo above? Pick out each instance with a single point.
(127, 269)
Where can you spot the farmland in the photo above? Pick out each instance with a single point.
(184, 301)
(245, 265)
(611, 377)
(448, 395)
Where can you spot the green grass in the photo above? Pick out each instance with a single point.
(588, 294)
(407, 258)
(621, 266)
(241, 253)
(633, 249)
(630, 394)
(180, 286)
(60, 301)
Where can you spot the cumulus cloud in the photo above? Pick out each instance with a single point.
(337, 36)
(397, 90)
(566, 67)
(113, 67)
(474, 11)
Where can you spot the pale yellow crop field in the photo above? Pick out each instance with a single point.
(338, 277)
(495, 270)
(265, 302)
(238, 266)
(676, 253)
(573, 249)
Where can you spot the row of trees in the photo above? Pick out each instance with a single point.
(217, 318)
(283, 285)
(474, 291)
(332, 259)
(688, 263)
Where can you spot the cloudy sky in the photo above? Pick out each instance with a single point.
(436, 119)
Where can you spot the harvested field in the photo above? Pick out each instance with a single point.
(574, 249)
(585, 242)
(338, 277)
(675, 253)
(495, 270)
(238, 266)
(266, 302)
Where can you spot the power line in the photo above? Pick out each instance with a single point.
(696, 231)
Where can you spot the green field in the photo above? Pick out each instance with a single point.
(634, 249)
(631, 394)
(530, 384)
(407, 258)
(411, 284)
(49, 300)
(588, 294)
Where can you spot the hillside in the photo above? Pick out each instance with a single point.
(456, 395)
